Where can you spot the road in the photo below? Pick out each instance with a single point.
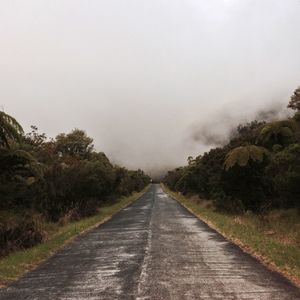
(153, 249)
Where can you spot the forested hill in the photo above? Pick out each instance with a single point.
(258, 169)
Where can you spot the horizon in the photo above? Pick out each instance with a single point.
(147, 81)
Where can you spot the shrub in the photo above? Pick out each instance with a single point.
(284, 170)
(19, 231)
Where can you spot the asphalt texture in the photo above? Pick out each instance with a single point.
(153, 249)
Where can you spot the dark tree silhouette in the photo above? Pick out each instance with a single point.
(295, 100)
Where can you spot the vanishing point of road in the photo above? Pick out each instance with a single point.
(153, 249)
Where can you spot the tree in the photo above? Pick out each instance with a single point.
(282, 133)
(295, 100)
(19, 171)
(75, 144)
(243, 181)
(246, 133)
(35, 138)
(284, 171)
(10, 129)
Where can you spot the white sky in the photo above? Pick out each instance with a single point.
(137, 75)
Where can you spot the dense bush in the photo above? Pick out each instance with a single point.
(19, 231)
(284, 170)
(60, 179)
(258, 169)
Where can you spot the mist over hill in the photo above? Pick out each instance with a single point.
(153, 81)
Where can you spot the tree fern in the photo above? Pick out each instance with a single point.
(20, 163)
(242, 155)
(280, 132)
(10, 129)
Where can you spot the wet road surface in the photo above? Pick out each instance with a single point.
(153, 249)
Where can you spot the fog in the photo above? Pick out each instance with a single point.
(152, 82)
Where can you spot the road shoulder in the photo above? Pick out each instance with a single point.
(268, 252)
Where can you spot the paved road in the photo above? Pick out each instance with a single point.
(153, 249)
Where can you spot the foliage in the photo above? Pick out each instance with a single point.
(10, 129)
(246, 133)
(19, 171)
(20, 262)
(295, 100)
(259, 168)
(19, 231)
(57, 177)
(243, 155)
(279, 133)
(75, 144)
(284, 169)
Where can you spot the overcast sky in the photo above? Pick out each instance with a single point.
(141, 76)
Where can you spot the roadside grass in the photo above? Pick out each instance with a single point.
(273, 238)
(20, 262)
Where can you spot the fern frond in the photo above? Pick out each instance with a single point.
(242, 155)
(10, 129)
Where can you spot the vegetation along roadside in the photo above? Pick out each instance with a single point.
(248, 188)
(22, 261)
(51, 189)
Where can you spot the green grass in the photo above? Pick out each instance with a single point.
(18, 263)
(273, 238)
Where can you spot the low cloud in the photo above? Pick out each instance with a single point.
(152, 82)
